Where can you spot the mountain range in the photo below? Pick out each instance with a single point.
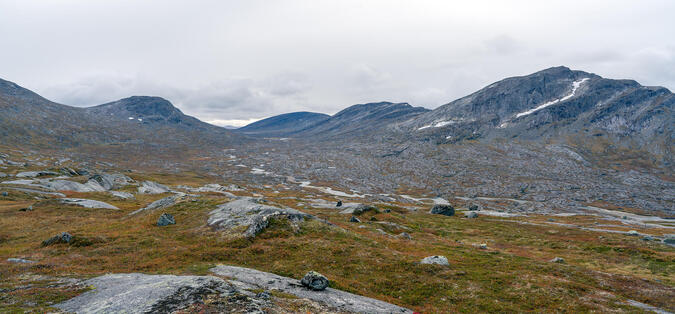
(556, 104)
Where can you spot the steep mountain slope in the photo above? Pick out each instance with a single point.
(284, 124)
(556, 103)
(362, 120)
(28, 119)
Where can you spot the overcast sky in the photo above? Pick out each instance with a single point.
(228, 62)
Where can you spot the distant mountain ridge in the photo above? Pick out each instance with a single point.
(29, 119)
(284, 124)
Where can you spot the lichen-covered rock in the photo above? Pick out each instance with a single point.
(111, 181)
(440, 209)
(64, 237)
(336, 299)
(252, 213)
(315, 281)
(140, 293)
(165, 220)
(436, 259)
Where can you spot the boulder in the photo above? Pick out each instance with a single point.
(165, 220)
(354, 219)
(33, 174)
(26, 209)
(86, 203)
(150, 187)
(160, 203)
(252, 213)
(111, 181)
(557, 260)
(358, 209)
(471, 215)
(64, 237)
(122, 195)
(473, 207)
(4, 193)
(440, 209)
(339, 204)
(314, 281)
(436, 259)
(632, 233)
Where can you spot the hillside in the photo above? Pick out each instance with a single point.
(284, 124)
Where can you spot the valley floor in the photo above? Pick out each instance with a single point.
(498, 262)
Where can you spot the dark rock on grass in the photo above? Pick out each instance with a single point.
(339, 204)
(471, 215)
(436, 259)
(64, 237)
(165, 220)
(354, 219)
(314, 281)
(473, 207)
(5, 193)
(446, 210)
(26, 209)
(559, 260)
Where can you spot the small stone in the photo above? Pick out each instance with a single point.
(315, 281)
(446, 210)
(26, 209)
(473, 207)
(339, 204)
(550, 220)
(436, 259)
(647, 238)
(483, 246)
(5, 193)
(387, 210)
(165, 220)
(559, 260)
(354, 219)
(471, 215)
(632, 233)
(19, 261)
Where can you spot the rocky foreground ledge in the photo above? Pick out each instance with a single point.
(140, 293)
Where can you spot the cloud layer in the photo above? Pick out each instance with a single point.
(232, 62)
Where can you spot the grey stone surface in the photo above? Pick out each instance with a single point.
(357, 209)
(165, 220)
(436, 259)
(354, 219)
(33, 174)
(160, 203)
(150, 187)
(139, 293)
(111, 181)
(86, 203)
(252, 213)
(557, 260)
(344, 301)
(122, 195)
